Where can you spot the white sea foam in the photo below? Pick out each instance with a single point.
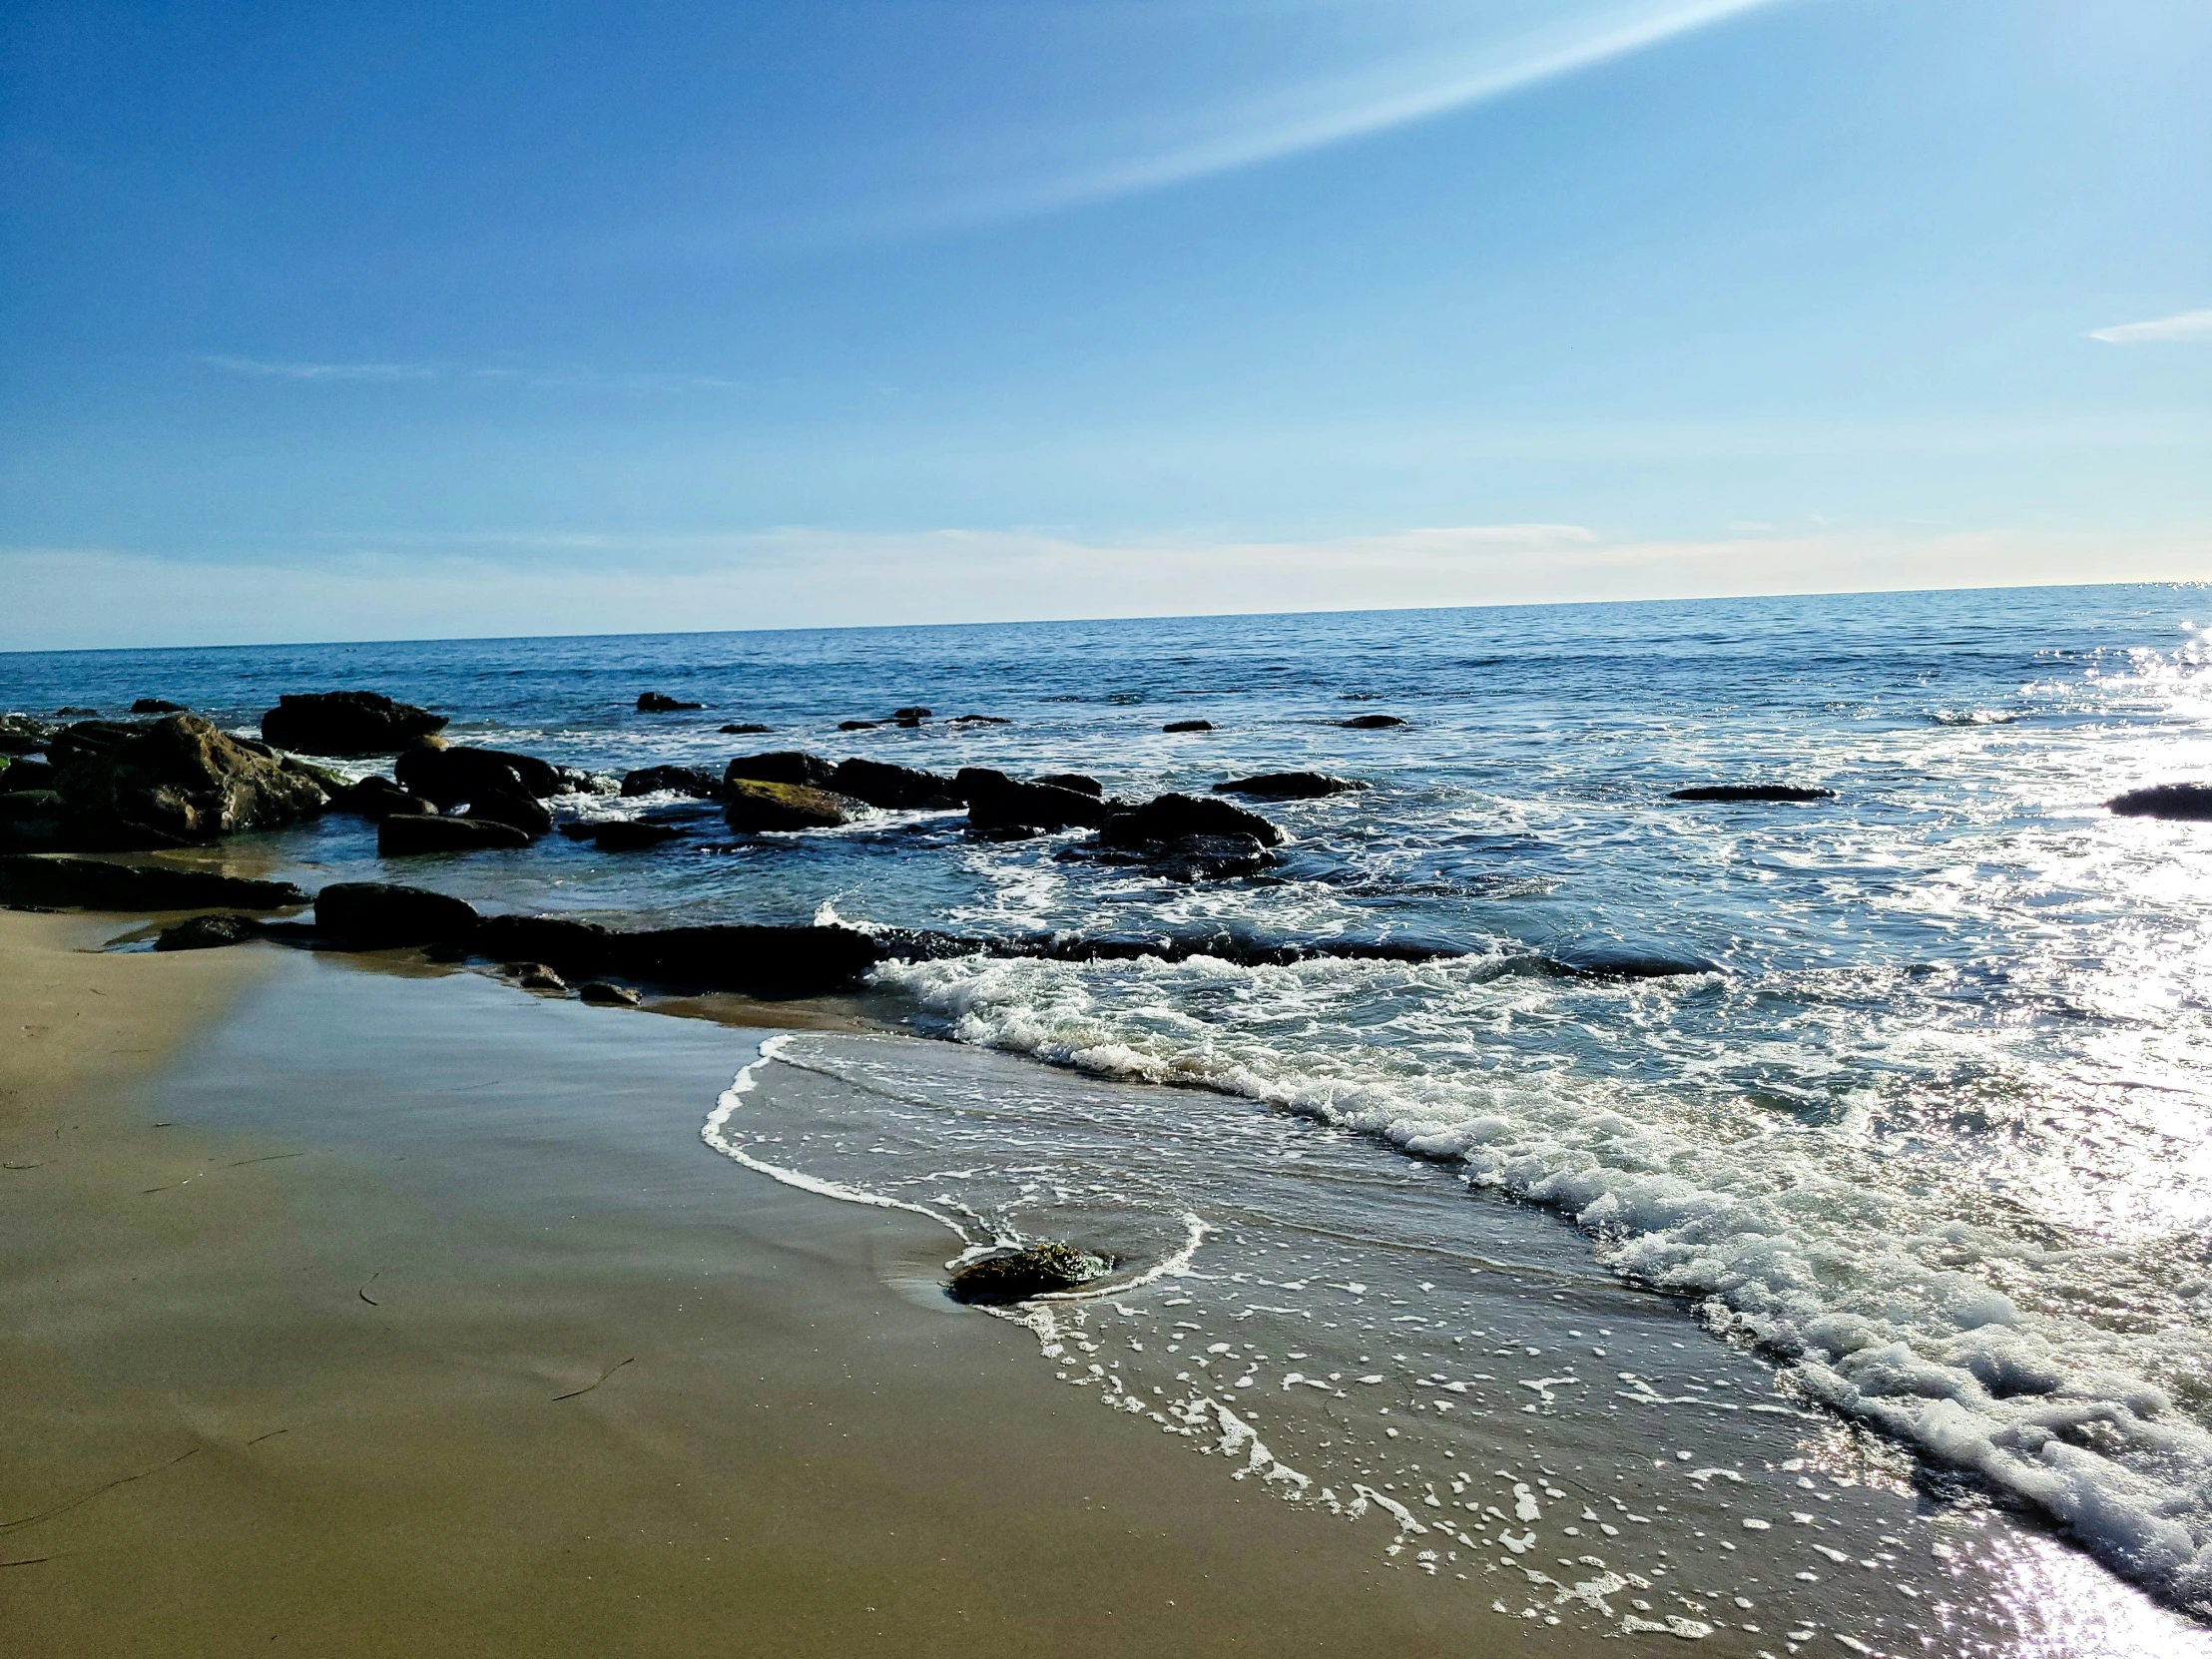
(1964, 1338)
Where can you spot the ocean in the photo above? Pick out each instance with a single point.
(1919, 1144)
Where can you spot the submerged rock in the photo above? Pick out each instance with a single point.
(696, 781)
(534, 977)
(346, 723)
(996, 802)
(1751, 791)
(660, 703)
(378, 798)
(1188, 726)
(2188, 801)
(1210, 857)
(95, 884)
(377, 914)
(401, 838)
(171, 782)
(21, 735)
(895, 788)
(1616, 960)
(980, 720)
(606, 994)
(1171, 818)
(155, 706)
(1080, 783)
(785, 766)
(745, 729)
(1290, 785)
(752, 805)
(623, 835)
(207, 933)
(1369, 723)
(1033, 1270)
(912, 712)
(859, 725)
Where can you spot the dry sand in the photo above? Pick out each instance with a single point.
(425, 1326)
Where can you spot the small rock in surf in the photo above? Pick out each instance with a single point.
(1751, 791)
(1188, 726)
(660, 703)
(1031, 1271)
(2187, 802)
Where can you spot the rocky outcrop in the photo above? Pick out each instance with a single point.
(607, 995)
(452, 775)
(2188, 801)
(21, 735)
(660, 703)
(1370, 723)
(1171, 818)
(1751, 791)
(377, 914)
(786, 765)
(999, 803)
(911, 711)
(750, 805)
(895, 788)
(403, 837)
(207, 933)
(52, 884)
(171, 782)
(155, 706)
(1188, 726)
(31, 821)
(378, 798)
(1033, 1270)
(1080, 783)
(346, 723)
(765, 961)
(1288, 785)
(696, 782)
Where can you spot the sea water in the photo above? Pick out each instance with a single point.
(1929, 1134)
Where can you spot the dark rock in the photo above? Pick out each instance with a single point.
(1003, 833)
(1210, 857)
(511, 806)
(577, 781)
(859, 725)
(1616, 960)
(980, 720)
(31, 821)
(171, 782)
(377, 914)
(1751, 791)
(94, 884)
(67, 710)
(997, 802)
(696, 782)
(578, 947)
(1170, 817)
(207, 933)
(1188, 726)
(1075, 780)
(378, 798)
(628, 836)
(608, 995)
(914, 713)
(346, 723)
(1369, 723)
(1034, 1270)
(766, 961)
(400, 837)
(2190, 802)
(535, 976)
(155, 706)
(450, 776)
(1288, 785)
(787, 766)
(750, 805)
(330, 782)
(21, 735)
(660, 703)
(25, 774)
(746, 728)
(896, 789)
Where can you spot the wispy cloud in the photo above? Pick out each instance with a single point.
(2182, 325)
(320, 371)
(551, 379)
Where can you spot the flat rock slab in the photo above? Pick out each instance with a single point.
(1752, 791)
(65, 884)
(1290, 785)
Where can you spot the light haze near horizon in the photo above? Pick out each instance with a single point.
(341, 325)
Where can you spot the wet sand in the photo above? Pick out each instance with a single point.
(362, 1305)
(434, 1330)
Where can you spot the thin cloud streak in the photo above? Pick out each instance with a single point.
(320, 371)
(2184, 325)
(1494, 74)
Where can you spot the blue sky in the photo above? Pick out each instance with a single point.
(336, 322)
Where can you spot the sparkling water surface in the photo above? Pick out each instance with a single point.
(1935, 1134)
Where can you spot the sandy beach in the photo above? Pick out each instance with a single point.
(436, 1334)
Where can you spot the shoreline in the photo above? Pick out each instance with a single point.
(597, 1330)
